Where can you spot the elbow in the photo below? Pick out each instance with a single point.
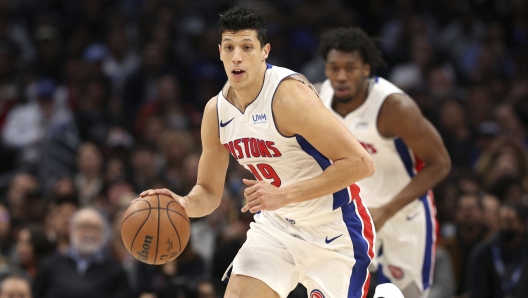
(368, 166)
(444, 166)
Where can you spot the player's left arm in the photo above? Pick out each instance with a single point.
(400, 116)
(299, 111)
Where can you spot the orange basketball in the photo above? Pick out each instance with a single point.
(155, 229)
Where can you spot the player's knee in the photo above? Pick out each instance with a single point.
(241, 286)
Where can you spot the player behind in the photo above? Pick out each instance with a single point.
(311, 226)
(408, 153)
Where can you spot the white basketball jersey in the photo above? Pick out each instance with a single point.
(253, 139)
(395, 162)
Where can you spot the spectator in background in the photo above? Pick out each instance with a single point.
(31, 247)
(5, 230)
(497, 266)
(45, 134)
(470, 231)
(49, 58)
(85, 270)
(15, 287)
(502, 158)
(141, 86)
(89, 180)
(19, 188)
(26, 125)
(480, 103)
(455, 131)
(64, 187)
(91, 115)
(15, 35)
(411, 75)
(120, 62)
(58, 222)
(166, 105)
(115, 170)
(509, 122)
(174, 145)
(144, 167)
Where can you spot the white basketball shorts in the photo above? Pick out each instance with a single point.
(329, 254)
(405, 245)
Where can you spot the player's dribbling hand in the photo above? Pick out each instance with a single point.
(261, 195)
(162, 191)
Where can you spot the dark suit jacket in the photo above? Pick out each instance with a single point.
(58, 278)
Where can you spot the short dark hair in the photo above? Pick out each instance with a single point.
(244, 18)
(350, 40)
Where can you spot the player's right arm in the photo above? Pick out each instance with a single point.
(205, 196)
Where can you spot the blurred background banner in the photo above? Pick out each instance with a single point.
(101, 99)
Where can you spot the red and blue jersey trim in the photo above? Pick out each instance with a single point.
(413, 165)
(361, 230)
(341, 197)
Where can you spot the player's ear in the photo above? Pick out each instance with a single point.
(220, 50)
(266, 49)
(366, 70)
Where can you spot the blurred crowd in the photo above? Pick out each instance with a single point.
(102, 99)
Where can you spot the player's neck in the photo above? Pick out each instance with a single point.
(344, 109)
(242, 97)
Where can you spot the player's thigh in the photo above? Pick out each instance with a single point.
(408, 241)
(241, 286)
(265, 257)
(336, 263)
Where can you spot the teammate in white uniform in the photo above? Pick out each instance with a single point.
(407, 150)
(311, 226)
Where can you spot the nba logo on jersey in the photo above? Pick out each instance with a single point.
(259, 118)
(316, 294)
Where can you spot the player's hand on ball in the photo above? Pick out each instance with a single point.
(162, 191)
(261, 195)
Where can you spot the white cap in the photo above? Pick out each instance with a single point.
(388, 291)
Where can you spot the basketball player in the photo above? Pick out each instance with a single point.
(408, 153)
(310, 224)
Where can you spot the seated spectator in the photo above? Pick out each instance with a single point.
(57, 222)
(455, 130)
(502, 158)
(19, 188)
(167, 105)
(85, 270)
(120, 62)
(498, 266)
(5, 229)
(412, 74)
(89, 179)
(470, 231)
(28, 125)
(144, 166)
(15, 287)
(31, 247)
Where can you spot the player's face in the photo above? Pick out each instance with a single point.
(347, 73)
(243, 57)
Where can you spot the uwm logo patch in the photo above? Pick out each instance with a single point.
(259, 118)
(316, 294)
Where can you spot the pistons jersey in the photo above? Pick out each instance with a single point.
(395, 163)
(253, 140)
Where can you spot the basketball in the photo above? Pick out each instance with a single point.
(155, 229)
